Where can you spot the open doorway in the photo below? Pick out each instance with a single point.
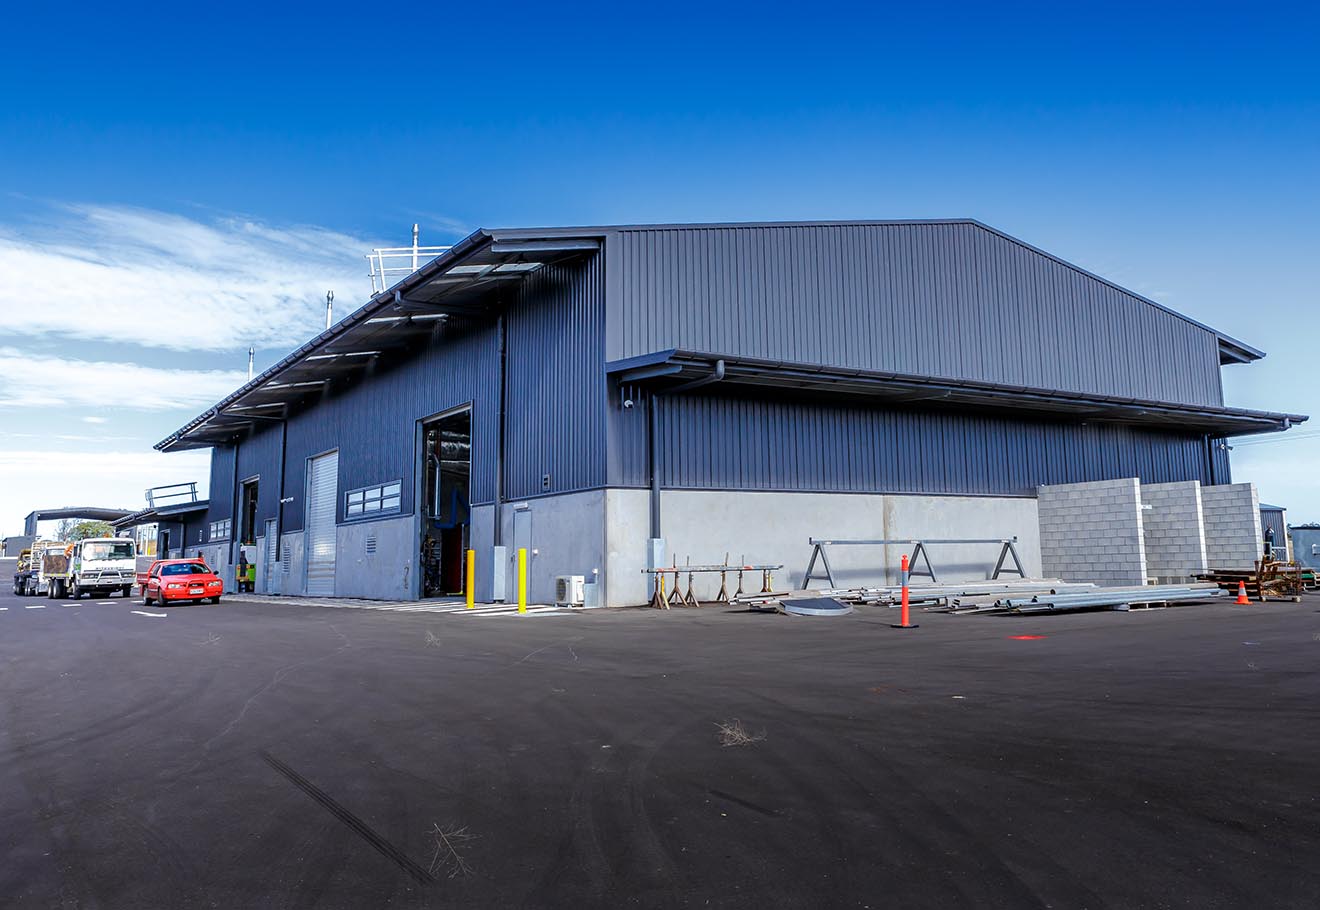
(248, 513)
(447, 469)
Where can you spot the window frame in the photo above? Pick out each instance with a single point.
(374, 501)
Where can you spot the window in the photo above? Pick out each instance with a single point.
(106, 550)
(185, 568)
(220, 530)
(378, 500)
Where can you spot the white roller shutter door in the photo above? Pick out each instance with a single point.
(322, 500)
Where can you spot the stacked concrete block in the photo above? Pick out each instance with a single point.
(1231, 513)
(1174, 531)
(1093, 532)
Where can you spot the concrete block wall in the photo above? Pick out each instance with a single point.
(1231, 513)
(1093, 532)
(1173, 530)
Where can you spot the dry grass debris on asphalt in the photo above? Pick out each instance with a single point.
(310, 757)
(448, 856)
(733, 733)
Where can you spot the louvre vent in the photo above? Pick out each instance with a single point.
(284, 558)
(371, 545)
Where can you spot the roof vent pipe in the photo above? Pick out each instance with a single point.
(252, 356)
(329, 308)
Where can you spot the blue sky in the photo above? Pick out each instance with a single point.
(178, 183)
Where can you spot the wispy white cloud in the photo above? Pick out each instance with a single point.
(28, 381)
(163, 280)
(42, 479)
(90, 419)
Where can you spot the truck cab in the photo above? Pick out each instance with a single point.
(100, 566)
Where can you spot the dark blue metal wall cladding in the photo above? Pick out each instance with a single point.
(257, 456)
(556, 394)
(954, 300)
(557, 387)
(373, 424)
(222, 484)
(717, 442)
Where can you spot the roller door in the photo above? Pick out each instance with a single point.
(322, 499)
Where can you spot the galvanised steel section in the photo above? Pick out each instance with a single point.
(949, 299)
(718, 441)
(557, 388)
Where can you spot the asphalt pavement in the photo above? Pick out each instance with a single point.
(256, 755)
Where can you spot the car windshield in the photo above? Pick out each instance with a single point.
(185, 568)
(108, 550)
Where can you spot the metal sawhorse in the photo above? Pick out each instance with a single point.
(920, 550)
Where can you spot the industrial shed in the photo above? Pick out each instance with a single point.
(607, 397)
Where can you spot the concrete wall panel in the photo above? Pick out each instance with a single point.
(376, 559)
(773, 528)
(567, 535)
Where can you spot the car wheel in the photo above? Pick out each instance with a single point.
(146, 600)
(127, 591)
(215, 600)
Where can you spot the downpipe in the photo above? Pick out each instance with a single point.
(653, 407)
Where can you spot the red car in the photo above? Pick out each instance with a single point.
(172, 580)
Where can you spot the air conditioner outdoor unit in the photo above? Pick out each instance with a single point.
(568, 590)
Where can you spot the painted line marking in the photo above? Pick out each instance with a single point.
(144, 613)
(35, 607)
(4, 609)
(105, 603)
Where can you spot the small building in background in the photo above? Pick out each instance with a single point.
(1275, 518)
(1306, 544)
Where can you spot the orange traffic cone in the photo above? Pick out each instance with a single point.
(1242, 594)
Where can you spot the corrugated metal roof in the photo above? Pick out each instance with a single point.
(456, 282)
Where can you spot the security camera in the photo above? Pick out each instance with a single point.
(628, 403)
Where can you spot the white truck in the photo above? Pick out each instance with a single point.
(97, 566)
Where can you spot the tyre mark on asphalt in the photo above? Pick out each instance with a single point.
(737, 800)
(384, 847)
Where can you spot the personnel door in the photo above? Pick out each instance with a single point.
(268, 571)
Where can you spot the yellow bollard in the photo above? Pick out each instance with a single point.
(522, 580)
(471, 578)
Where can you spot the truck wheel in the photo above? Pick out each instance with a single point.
(127, 590)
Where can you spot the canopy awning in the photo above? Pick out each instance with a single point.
(458, 283)
(673, 367)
